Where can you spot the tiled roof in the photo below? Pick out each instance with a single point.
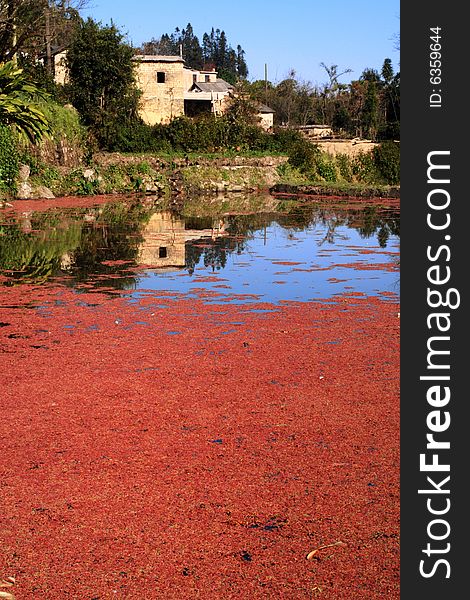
(220, 85)
(262, 108)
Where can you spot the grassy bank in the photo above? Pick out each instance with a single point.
(184, 174)
(241, 158)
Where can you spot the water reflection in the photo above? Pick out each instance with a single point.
(132, 245)
(166, 237)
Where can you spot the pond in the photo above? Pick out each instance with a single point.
(285, 251)
(196, 400)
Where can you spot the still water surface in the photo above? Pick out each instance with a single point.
(299, 252)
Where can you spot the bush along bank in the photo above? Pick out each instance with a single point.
(309, 167)
(67, 163)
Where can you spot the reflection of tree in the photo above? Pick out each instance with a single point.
(105, 243)
(367, 221)
(214, 255)
(384, 223)
(41, 245)
(31, 255)
(77, 242)
(112, 233)
(238, 228)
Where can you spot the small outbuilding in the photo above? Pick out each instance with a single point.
(265, 116)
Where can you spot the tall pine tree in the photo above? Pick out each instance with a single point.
(214, 53)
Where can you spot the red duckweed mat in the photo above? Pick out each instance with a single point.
(175, 449)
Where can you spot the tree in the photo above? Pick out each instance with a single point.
(17, 20)
(333, 85)
(18, 103)
(370, 113)
(214, 53)
(36, 27)
(242, 110)
(331, 91)
(207, 47)
(191, 48)
(370, 75)
(242, 68)
(369, 106)
(387, 71)
(285, 99)
(102, 84)
(391, 101)
(163, 46)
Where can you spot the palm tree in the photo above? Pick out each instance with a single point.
(18, 103)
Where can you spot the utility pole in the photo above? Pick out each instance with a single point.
(266, 83)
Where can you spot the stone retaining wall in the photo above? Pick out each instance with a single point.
(349, 147)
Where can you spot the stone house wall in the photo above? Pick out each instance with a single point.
(194, 76)
(349, 147)
(163, 85)
(266, 120)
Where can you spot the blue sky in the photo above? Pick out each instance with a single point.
(286, 35)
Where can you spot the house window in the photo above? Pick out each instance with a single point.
(194, 77)
(162, 252)
(160, 77)
(207, 78)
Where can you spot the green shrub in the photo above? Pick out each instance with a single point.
(114, 177)
(203, 134)
(8, 160)
(284, 140)
(183, 134)
(135, 138)
(304, 156)
(364, 168)
(64, 122)
(35, 165)
(387, 161)
(343, 163)
(290, 175)
(66, 143)
(50, 177)
(326, 169)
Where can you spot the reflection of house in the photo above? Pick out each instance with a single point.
(163, 244)
(165, 238)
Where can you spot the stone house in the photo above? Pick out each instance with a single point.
(169, 89)
(60, 70)
(316, 131)
(162, 82)
(208, 96)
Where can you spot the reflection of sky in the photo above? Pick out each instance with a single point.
(255, 271)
